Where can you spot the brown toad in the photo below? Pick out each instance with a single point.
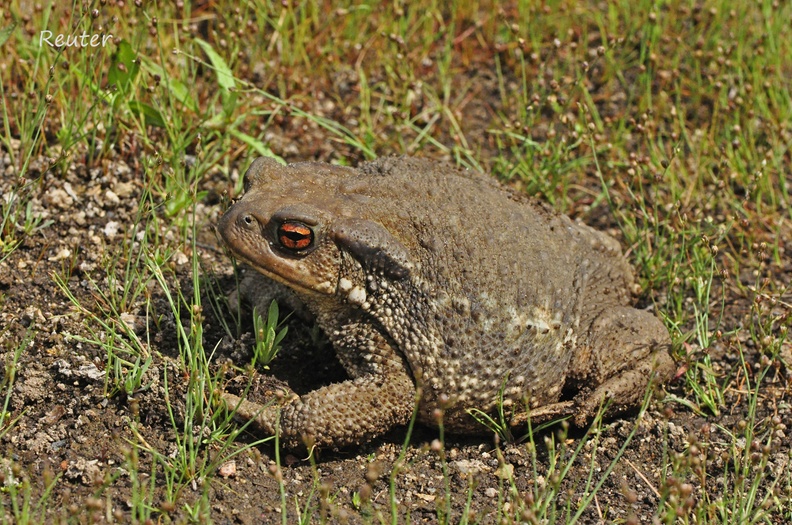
(439, 287)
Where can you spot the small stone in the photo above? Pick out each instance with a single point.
(124, 189)
(58, 198)
(111, 229)
(180, 258)
(111, 199)
(505, 471)
(63, 253)
(227, 469)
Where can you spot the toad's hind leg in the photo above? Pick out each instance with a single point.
(624, 350)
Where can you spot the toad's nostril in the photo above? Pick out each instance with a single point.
(248, 219)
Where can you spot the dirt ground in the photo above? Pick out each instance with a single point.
(68, 426)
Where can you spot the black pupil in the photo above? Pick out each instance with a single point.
(294, 235)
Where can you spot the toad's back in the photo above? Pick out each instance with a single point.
(504, 280)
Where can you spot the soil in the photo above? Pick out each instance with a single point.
(67, 426)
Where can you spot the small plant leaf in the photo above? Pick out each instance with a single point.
(280, 336)
(225, 78)
(151, 115)
(5, 33)
(124, 67)
(255, 144)
(267, 339)
(180, 200)
(272, 315)
(104, 94)
(177, 88)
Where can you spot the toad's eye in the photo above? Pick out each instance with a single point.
(295, 236)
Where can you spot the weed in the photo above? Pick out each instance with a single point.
(28, 503)
(267, 339)
(18, 219)
(10, 371)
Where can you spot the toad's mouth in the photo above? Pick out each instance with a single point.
(297, 282)
(291, 273)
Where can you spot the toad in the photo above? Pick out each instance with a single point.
(438, 289)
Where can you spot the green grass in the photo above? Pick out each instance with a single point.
(196, 426)
(669, 122)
